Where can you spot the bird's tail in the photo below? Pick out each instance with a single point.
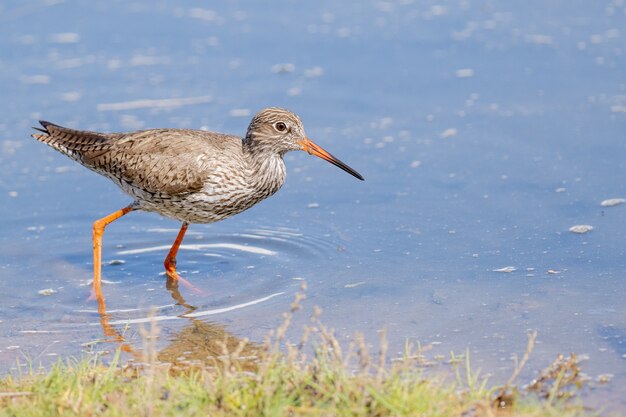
(73, 143)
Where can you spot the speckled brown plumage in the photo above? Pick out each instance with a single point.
(190, 175)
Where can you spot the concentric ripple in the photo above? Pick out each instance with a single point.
(249, 275)
(228, 269)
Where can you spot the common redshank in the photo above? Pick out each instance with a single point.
(192, 176)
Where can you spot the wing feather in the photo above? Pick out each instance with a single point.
(158, 161)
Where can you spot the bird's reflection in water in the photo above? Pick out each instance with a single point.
(172, 286)
(202, 344)
(199, 344)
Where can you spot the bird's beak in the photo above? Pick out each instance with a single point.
(309, 146)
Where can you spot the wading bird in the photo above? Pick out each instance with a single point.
(192, 176)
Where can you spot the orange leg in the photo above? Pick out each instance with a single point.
(170, 261)
(98, 231)
(170, 265)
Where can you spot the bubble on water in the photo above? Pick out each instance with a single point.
(613, 202)
(581, 228)
(618, 108)
(71, 96)
(506, 269)
(448, 133)
(464, 73)
(47, 291)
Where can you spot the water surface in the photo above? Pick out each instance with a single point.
(484, 131)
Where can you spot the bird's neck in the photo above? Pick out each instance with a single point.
(266, 171)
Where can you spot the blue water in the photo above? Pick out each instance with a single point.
(484, 131)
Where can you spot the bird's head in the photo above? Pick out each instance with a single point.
(277, 131)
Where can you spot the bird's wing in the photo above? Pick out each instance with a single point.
(158, 161)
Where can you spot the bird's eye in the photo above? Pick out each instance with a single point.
(280, 126)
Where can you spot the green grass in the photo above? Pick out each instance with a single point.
(282, 379)
(277, 388)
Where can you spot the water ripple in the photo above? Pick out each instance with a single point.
(242, 248)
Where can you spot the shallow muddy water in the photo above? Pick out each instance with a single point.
(484, 131)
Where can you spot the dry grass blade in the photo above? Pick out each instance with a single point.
(15, 394)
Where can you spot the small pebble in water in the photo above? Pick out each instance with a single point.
(47, 291)
(581, 228)
(613, 202)
(116, 262)
(448, 133)
(283, 68)
(506, 269)
(604, 378)
(464, 73)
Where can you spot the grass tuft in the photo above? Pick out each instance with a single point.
(219, 375)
